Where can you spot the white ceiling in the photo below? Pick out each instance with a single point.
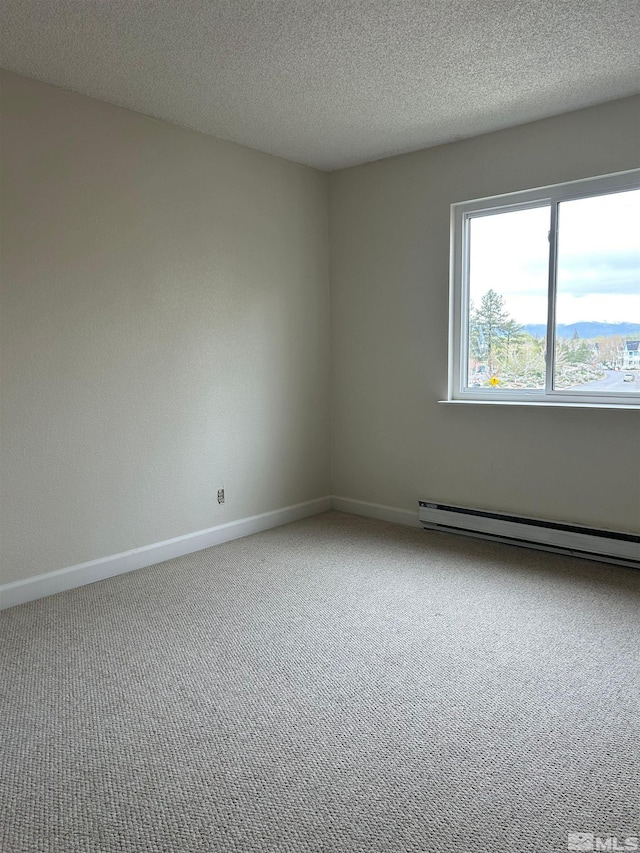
(331, 83)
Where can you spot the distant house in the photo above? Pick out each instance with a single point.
(631, 355)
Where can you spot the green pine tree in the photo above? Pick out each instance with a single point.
(490, 328)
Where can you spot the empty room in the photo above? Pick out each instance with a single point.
(320, 426)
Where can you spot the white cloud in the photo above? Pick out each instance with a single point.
(599, 260)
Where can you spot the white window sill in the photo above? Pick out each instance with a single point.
(544, 404)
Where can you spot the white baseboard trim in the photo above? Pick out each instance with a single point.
(60, 580)
(383, 513)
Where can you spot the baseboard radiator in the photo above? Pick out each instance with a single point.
(587, 542)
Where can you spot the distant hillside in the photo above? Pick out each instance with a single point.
(587, 330)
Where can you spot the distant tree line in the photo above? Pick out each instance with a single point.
(499, 347)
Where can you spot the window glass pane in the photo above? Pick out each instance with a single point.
(508, 286)
(597, 334)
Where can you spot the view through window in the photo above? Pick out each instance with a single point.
(550, 296)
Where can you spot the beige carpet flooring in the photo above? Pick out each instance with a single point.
(338, 684)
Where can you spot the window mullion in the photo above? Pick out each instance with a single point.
(551, 298)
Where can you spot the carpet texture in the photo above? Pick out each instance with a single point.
(339, 684)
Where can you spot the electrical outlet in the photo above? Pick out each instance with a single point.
(220, 496)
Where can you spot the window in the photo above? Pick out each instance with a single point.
(545, 295)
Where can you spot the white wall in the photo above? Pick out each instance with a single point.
(165, 331)
(393, 443)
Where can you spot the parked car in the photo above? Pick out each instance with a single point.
(629, 377)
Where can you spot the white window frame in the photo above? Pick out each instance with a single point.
(461, 214)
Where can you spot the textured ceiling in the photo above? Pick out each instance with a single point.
(331, 83)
